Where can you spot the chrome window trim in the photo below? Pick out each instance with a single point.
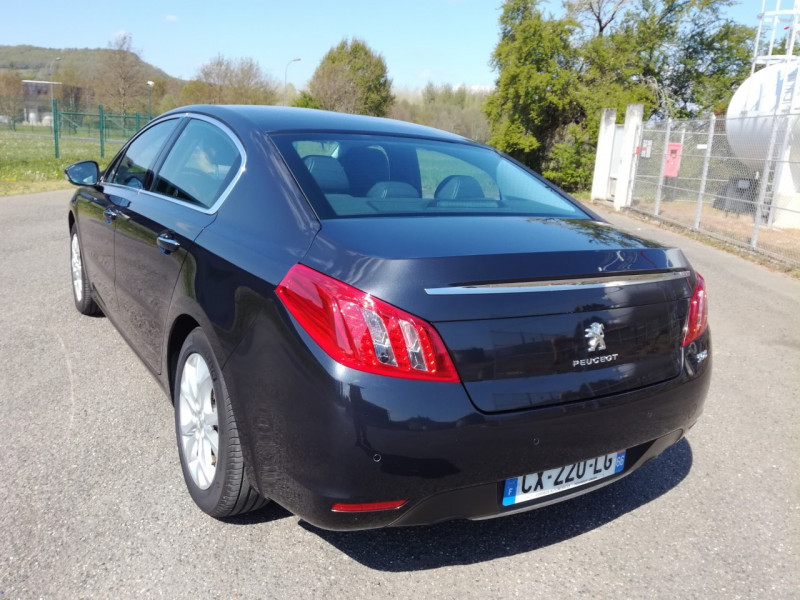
(117, 158)
(223, 196)
(559, 285)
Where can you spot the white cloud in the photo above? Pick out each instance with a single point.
(171, 18)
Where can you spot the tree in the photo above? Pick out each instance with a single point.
(677, 57)
(706, 64)
(121, 84)
(600, 13)
(351, 78)
(72, 89)
(537, 88)
(306, 100)
(12, 96)
(167, 102)
(249, 85)
(444, 107)
(692, 53)
(227, 81)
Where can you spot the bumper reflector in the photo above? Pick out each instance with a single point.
(367, 506)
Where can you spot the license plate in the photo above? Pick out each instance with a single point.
(544, 483)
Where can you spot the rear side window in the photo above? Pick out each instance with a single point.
(134, 169)
(356, 175)
(199, 166)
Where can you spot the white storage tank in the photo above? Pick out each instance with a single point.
(749, 123)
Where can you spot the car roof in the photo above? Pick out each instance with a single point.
(282, 119)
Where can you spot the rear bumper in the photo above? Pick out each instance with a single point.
(315, 433)
(485, 501)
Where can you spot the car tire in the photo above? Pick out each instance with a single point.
(208, 439)
(81, 289)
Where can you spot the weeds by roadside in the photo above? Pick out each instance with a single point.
(27, 163)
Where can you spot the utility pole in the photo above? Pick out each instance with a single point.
(52, 66)
(285, 74)
(150, 85)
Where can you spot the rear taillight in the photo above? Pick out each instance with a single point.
(363, 332)
(698, 313)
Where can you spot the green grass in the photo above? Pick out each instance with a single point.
(584, 196)
(28, 164)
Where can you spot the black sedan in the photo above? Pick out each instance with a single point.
(375, 323)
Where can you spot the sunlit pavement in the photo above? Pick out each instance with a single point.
(92, 503)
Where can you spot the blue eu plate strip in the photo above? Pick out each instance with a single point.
(510, 492)
(620, 462)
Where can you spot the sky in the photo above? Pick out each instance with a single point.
(443, 41)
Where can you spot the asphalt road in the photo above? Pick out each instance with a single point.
(92, 502)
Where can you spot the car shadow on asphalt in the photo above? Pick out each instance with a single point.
(466, 542)
(271, 512)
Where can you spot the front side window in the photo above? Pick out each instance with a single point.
(200, 165)
(354, 175)
(134, 169)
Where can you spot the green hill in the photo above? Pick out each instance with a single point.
(34, 62)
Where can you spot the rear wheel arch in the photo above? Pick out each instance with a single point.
(181, 328)
(207, 434)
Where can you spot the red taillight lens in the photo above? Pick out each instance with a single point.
(363, 332)
(698, 313)
(367, 506)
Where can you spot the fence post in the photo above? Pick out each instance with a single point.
(55, 126)
(102, 127)
(605, 151)
(631, 137)
(660, 185)
(704, 177)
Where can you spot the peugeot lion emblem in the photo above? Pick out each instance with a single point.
(594, 333)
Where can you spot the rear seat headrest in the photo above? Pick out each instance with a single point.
(328, 173)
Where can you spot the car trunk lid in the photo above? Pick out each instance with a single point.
(587, 351)
(534, 312)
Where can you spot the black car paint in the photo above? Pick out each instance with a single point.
(314, 432)
(366, 436)
(429, 252)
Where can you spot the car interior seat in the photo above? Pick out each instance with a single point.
(365, 167)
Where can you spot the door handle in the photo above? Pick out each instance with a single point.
(167, 244)
(110, 214)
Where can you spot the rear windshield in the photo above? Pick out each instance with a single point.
(370, 175)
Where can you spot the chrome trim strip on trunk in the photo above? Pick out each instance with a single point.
(558, 285)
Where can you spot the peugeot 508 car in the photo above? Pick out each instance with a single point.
(375, 323)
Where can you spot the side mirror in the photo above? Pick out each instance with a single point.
(85, 172)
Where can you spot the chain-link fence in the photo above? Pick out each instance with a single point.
(95, 125)
(736, 179)
(41, 116)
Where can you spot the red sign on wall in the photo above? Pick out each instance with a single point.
(672, 161)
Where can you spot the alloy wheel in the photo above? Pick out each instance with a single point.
(77, 268)
(199, 425)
